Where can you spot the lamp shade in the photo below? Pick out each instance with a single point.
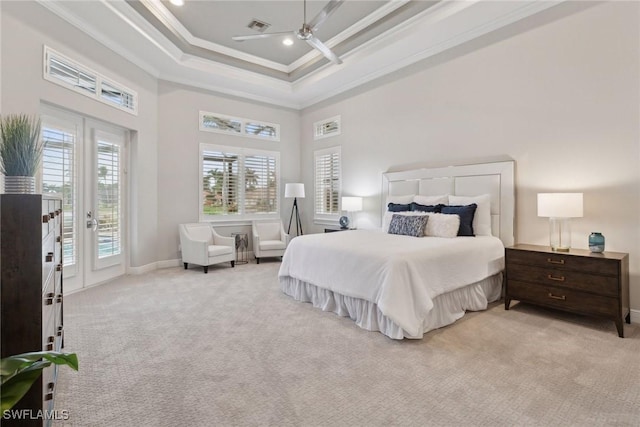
(560, 205)
(352, 204)
(292, 190)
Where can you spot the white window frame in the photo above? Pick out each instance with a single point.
(321, 218)
(243, 126)
(318, 128)
(241, 217)
(97, 93)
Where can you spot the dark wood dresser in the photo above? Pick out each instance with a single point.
(578, 281)
(31, 298)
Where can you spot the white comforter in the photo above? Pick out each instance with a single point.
(400, 274)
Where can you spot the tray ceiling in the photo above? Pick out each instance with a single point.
(192, 44)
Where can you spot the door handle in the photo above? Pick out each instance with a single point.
(92, 224)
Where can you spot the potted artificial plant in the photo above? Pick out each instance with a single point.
(20, 371)
(20, 152)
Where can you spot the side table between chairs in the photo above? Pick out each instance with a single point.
(242, 247)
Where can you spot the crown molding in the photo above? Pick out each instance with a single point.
(445, 25)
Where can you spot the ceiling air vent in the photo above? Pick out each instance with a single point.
(258, 26)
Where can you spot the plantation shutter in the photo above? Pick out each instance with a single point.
(327, 182)
(59, 177)
(260, 189)
(109, 199)
(219, 183)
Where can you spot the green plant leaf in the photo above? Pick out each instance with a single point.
(18, 372)
(20, 145)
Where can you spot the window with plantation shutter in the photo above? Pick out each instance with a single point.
(59, 177)
(260, 184)
(327, 183)
(109, 199)
(238, 183)
(219, 182)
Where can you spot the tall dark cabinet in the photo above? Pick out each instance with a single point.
(31, 289)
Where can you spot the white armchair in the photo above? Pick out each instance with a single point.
(269, 239)
(203, 246)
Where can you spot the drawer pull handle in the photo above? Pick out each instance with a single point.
(60, 330)
(561, 298)
(59, 298)
(48, 300)
(58, 239)
(557, 279)
(49, 257)
(561, 261)
(48, 396)
(59, 267)
(45, 218)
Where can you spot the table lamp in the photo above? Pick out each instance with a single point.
(350, 204)
(560, 208)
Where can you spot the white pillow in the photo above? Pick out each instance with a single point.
(431, 200)
(482, 217)
(442, 225)
(403, 200)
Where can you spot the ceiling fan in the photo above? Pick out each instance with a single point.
(306, 31)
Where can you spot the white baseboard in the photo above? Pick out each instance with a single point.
(143, 269)
(635, 316)
(169, 263)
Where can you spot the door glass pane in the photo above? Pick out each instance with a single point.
(108, 199)
(58, 177)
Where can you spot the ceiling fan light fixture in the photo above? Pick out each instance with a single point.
(287, 41)
(177, 2)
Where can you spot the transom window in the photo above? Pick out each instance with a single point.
(220, 123)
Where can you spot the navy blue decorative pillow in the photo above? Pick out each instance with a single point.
(425, 208)
(466, 214)
(398, 207)
(408, 225)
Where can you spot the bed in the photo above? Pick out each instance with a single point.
(404, 286)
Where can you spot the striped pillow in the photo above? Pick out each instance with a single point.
(408, 225)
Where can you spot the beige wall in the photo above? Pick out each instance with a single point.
(26, 27)
(178, 154)
(560, 95)
(562, 99)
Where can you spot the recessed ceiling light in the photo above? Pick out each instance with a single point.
(177, 2)
(287, 42)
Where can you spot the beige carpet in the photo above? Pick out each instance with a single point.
(181, 348)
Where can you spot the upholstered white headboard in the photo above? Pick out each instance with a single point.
(495, 178)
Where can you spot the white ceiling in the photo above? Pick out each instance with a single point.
(192, 44)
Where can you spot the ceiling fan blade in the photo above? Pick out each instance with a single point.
(260, 36)
(328, 53)
(324, 14)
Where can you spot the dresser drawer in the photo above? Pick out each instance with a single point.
(564, 262)
(563, 298)
(48, 258)
(603, 285)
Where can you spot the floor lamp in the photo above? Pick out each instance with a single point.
(294, 190)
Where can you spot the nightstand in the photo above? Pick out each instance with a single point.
(578, 281)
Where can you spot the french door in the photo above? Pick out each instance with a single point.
(84, 161)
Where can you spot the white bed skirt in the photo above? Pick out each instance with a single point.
(447, 307)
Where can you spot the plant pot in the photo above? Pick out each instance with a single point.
(20, 184)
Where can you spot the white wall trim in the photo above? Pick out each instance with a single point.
(142, 269)
(635, 316)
